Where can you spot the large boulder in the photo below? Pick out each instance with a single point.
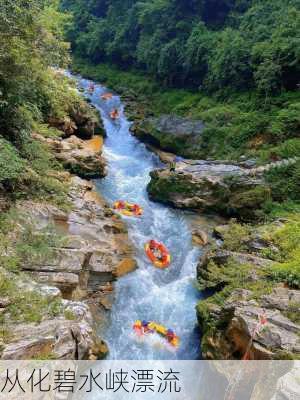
(238, 330)
(59, 338)
(210, 186)
(77, 155)
(83, 121)
(170, 133)
(87, 120)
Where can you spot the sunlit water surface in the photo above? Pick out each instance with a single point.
(165, 296)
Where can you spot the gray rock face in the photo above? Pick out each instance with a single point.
(58, 338)
(281, 298)
(177, 126)
(279, 333)
(246, 323)
(242, 333)
(171, 133)
(210, 186)
(77, 156)
(96, 243)
(222, 256)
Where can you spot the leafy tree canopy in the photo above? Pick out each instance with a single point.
(218, 44)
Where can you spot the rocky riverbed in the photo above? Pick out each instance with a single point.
(244, 314)
(75, 288)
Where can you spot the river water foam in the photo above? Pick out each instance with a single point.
(165, 296)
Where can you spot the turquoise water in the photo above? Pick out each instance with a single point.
(165, 296)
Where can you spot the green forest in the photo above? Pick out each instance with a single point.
(233, 64)
(34, 98)
(209, 45)
(32, 41)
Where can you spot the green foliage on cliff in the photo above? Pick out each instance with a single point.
(22, 243)
(32, 42)
(220, 45)
(287, 238)
(31, 33)
(31, 93)
(25, 305)
(226, 277)
(11, 164)
(232, 64)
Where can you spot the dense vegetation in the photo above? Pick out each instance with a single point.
(37, 102)
(31, 41)
(241, 60)
(218, 45)
(233, 64)
(30, 94)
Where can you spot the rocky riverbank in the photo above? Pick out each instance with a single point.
(218, 186)
(249, 314)
(247, 267)
(170, 133)
(81, 157)
(240, 265)
(53, 307)
(250, 309)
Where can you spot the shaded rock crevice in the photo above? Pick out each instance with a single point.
(82, 121)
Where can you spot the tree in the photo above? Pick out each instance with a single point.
(170, 62)
(198, 48)
(29, 44)
(229, 62)
(224, 44)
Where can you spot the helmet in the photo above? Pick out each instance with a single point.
(152, 243)
(144, 323)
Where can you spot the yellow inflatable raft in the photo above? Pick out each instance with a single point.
(127, 209)
(143, 328)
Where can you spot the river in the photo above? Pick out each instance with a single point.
(166, 296)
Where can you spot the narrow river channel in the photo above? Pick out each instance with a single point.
(166, 296)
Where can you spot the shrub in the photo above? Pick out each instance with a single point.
(26, 305)
(236, 236)
(285, 182)
(11, 163)
(287, 239)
